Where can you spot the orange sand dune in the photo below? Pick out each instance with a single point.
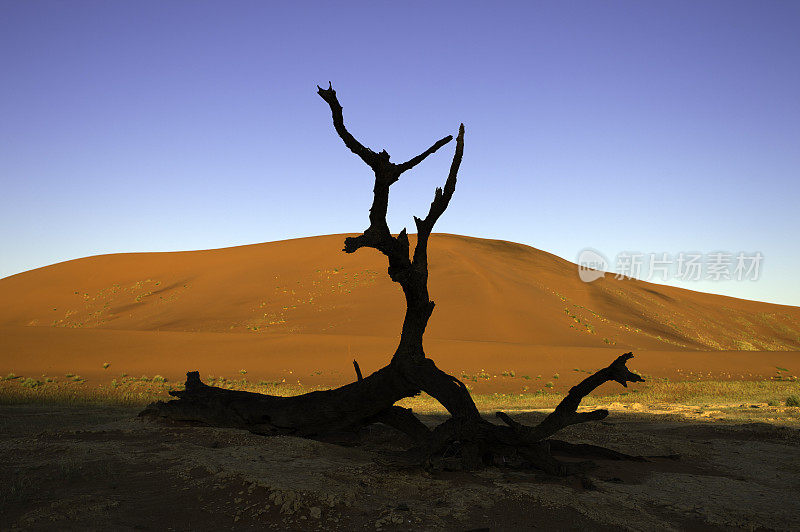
(304, 306)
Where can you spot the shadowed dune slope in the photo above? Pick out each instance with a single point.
(485, 290)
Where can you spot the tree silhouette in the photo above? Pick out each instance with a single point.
(465, 440)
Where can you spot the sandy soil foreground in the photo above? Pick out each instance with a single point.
(70, 468)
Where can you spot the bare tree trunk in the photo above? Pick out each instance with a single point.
(466, 440)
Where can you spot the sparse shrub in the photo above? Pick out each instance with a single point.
(159, 378)
(793, 400)
(555, 376)
(243, 371)
(11, 377)
(30, 383)
(772, 402)
(549, 385)
(105, 365)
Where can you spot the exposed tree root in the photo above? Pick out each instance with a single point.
(459, 443)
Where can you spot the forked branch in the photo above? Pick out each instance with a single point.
(377, 235)
(379, 162)
(566, 413)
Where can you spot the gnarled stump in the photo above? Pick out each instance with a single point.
(466, 440)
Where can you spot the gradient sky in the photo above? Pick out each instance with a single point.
(639, 126)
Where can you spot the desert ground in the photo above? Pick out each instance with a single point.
(92, 468)
(85, 344)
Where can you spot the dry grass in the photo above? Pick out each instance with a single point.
(139, 391)
(122, 391)
(698, 393)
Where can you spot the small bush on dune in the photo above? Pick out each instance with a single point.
(31, 383)
(793, 400)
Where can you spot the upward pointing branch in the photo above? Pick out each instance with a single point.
(440, 202)
(366, 154)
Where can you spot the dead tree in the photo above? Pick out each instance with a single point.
(466, 440)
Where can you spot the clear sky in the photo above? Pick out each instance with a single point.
(622, 126)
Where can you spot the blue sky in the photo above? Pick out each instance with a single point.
(621, 126)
